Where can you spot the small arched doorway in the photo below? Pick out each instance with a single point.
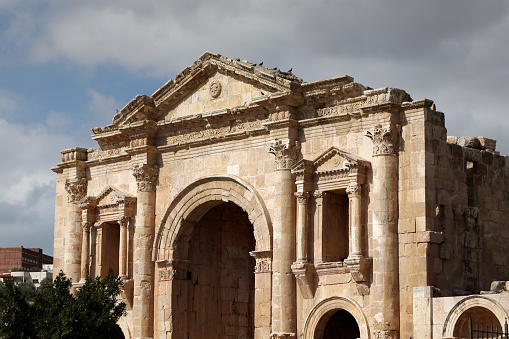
(480, 317)
(220, 293)
(337, 324)
(341, 325)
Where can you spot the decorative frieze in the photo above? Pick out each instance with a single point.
(98, 154)
(146, 177)
(263, 261)
(190, 134)
(384, 139)
(173, 269)
(76, 189)
(286, 152)
(385, 334)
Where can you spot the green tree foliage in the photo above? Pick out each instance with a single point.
(15, 312)
(56, 313)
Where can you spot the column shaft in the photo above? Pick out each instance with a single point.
(302, 226)
(385, 242)
(85, 251)
(73, 234)
(143, 310)
(122, 251)
(355, 221)
(284, 303)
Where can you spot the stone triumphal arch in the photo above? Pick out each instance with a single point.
(239, 201)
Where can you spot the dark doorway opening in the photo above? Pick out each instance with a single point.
(341, 325)
(220, 294)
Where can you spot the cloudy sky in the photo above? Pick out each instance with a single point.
(67, 66)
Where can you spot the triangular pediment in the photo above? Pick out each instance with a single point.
(336, 159)
(112, 196)
(211, 83)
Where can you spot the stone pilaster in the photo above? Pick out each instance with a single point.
(76, 190)
(385, 286)
(263, 292)
(143, 313)
(284, 307)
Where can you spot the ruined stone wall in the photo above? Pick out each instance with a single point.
(468, 186)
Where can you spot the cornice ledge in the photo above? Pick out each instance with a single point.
(289, 98)
(422, 103)
(271, 125)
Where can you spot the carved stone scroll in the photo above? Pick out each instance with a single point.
(384, 140)
(286, 152)
(76, 189)
(146, 177)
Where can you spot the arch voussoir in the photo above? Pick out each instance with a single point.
(196, 199)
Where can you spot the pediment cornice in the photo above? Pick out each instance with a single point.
(209, 63)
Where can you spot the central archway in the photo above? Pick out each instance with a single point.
(220, 293)
(203, 250)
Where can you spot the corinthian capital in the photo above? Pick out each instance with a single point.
(76, 189)
(286, 152)
(353, 190)
(384, 139)
(146, 177)
(302, 197)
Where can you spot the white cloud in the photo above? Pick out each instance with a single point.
(8, 103)
(27, 188)
(102, 107)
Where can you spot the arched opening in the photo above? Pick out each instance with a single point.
(480, 317)
(337, 324)
(220, 293)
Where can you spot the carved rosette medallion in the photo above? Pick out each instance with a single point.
(215, 89)
(384, 140)
(286, 152)
(353, 190)
(302, 197)
(76, 189)
(146, 177)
